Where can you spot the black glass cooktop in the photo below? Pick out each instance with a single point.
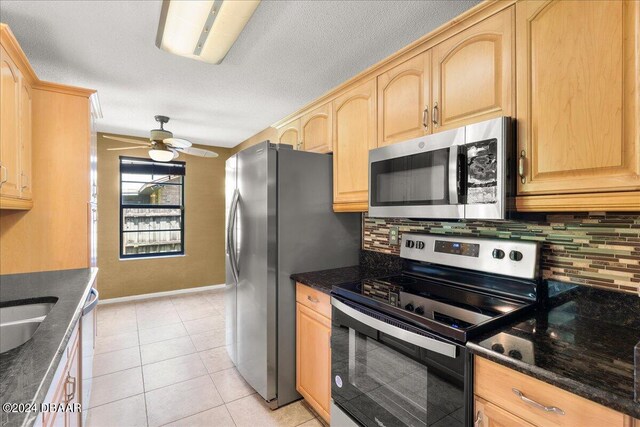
(449, 310)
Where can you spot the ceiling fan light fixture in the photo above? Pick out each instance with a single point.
(161, 155)
(202, 30)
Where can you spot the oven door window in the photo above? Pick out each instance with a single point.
(419, 179)
(382, 381)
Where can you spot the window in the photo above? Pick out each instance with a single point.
(151, 208)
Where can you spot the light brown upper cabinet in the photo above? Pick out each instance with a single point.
(289, 133)
(26, 101)
(354, 134)
(473, 73)
(578, 112)
(316, 130)
(9, 127)
(403, 100)
(16, 99)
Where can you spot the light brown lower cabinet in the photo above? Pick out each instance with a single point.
(313, 348)
(489, 415)
(65, 387)
(504, 397)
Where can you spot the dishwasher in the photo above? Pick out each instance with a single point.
(88, 330)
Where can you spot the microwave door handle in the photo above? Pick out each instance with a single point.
(453, 175)
(427, 343)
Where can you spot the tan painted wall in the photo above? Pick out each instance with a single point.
(203, 262)
(269, 133)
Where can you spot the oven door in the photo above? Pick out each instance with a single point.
(418, 178)
(386, 373)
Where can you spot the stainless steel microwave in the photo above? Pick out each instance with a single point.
(459, 173)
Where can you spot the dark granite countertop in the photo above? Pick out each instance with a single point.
(26, 371)
(584, 344)
(372, 264)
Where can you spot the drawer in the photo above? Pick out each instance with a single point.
(316, 300)
(495, 383)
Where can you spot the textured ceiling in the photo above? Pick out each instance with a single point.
(290, 53)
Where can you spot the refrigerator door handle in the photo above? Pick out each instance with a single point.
(229, 223)
(231, 239)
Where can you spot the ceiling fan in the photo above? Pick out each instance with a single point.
(163, 147)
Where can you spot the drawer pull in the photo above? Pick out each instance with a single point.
(535, 404)
(313, 299)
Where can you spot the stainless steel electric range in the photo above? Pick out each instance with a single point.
(398, 355)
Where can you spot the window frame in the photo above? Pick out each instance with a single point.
(181, 252)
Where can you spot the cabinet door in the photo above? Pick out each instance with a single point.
(578, 73)
(354, 134)
(9, 127)
(403, 98)
(473, 74)
(489, 415)
(25, 140)
(316, 130)
(72, 389)
(313, 358)
(290, 134)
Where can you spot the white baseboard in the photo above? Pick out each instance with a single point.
(161, 294)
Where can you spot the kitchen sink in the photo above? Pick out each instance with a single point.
(18, 322)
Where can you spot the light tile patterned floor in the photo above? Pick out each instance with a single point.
(163, 362)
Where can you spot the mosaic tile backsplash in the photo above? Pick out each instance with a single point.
(593, 249)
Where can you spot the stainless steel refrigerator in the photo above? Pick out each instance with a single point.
(279, 221)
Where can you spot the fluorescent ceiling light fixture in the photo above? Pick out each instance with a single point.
(202, 29)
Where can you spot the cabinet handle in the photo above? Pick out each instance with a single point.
(435, 115)
(71, 381)
(300, 145)
(313, 299)
(478, 421)
(523, 155)
(425, 117)
(535, 404)
(24, 180)
(5, 174)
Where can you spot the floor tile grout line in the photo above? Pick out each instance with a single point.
(200, 412)
(114, 401)
(144, 388)
(152, 363)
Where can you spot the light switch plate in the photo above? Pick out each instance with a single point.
(393, 235)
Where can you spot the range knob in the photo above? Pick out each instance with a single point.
(419, 310)
(515, 354)
(409, 307)
(497, 253)
(497, 347)
(515, 256)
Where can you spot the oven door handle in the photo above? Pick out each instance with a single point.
(453, 175)
(427, 343)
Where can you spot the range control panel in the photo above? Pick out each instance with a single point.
(507, 257)
(457, 248)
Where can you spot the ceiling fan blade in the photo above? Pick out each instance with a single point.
(197, 152)
(127, 140)
(177, 142)
(126, 148)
